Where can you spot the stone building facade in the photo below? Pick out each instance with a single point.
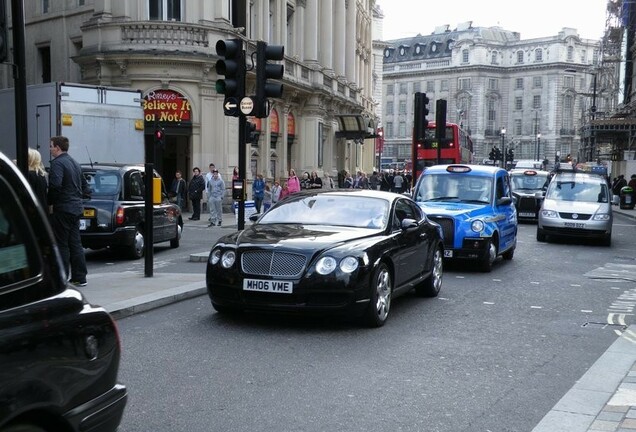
(166, 49)
(539, 90)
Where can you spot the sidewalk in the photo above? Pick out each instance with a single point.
(604, 399)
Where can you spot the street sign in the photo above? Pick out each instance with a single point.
(247, 105)
(230, 106)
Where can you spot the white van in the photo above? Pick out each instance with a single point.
(529, 164)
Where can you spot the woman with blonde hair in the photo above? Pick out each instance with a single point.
(37, 177)
(293, 183)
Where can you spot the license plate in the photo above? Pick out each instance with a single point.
(272, 286)
(89, 213)
(448, 254)
(574, 225)
(526, 214)
(83, 224)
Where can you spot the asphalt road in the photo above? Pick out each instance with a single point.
(494, 352)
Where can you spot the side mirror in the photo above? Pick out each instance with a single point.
(254, 217)
(504, 201)
(408, 224)
(539, 194)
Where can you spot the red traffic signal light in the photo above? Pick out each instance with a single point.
(159, 136)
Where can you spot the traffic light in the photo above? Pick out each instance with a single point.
(440, 123)
(251, 136)
(265, 71)
(4, 33)
(420, 122)
(511, 155)
(159, 136)
(493, 154)
(499, 154)
(233, 67)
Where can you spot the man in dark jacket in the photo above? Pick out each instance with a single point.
(67, 188)
(195, 192)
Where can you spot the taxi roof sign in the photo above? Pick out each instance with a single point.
(458, 169)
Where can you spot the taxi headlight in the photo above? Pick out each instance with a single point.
(549, 213)
(477, 226)
(215, 256)
(228, 258)
(601, 217)
(326, 265)
(349, 264)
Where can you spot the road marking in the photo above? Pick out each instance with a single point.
(496, 280)
(536, 307)
(586, 311)
(535, 283)
(575, 285)
(488, 303)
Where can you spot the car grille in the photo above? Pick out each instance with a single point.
(272, 263)
(448, 227)
(527, 204)
(579, 216)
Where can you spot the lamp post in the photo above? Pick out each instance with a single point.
(503, 146)
(539, 146)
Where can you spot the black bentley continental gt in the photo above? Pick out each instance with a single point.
(339, 252)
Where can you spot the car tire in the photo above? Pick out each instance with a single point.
(379, 307)
(540, 235)
(174, 243)
(431, 286)
(23, 428)
(509, 254)
(490, 257)
(136, 249)
(607, 240)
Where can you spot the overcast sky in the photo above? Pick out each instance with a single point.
(535, 18)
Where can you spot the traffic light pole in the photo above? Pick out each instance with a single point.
(20, 95)
(242, 166)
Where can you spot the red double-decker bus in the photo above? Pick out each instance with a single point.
(456, 148)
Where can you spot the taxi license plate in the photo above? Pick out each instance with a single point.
(574, 225)
(272, 286)
(526, 214)
(89, 213)
(83, 224)
(448, 254)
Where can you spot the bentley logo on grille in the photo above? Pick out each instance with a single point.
(575, 216)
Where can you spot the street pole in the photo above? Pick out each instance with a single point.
(592, 129)
(539, 146)
(503, 146)
(20, 94)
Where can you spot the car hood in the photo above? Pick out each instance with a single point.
(574, 206)
(525, 193)
(297, 236)
(455, 209)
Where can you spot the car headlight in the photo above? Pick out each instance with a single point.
(326, 265)
(601, 217)
(549, 213)
(477, 226)
(349, 264)
(215, 256)
(228, 258)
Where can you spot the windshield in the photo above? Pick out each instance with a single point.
(455, 187)
(529, 182)
(326, 209)
(572, 189)
(103, 183)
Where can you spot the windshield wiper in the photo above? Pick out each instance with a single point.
(475, 201)
(445, 198)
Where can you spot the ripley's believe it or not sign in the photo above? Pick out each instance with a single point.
(166, 106)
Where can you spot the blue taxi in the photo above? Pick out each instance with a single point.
(474, 206)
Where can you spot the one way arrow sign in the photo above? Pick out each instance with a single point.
(230, 107)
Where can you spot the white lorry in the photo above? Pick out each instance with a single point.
(103, 124)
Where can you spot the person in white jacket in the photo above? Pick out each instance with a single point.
(216, 191)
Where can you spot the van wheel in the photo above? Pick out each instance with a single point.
(136, 249)
(607, 240)
(540, 235)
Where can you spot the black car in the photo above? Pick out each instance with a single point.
(528, 190)
(345, 252)
(59, 356)
(114, 215)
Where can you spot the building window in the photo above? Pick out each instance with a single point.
(430, 86)
(570, 53)
(568, 82)
(519, 56)
(45, 6)
(402, 129)
(463, 83)
(492, 115)
(493, 58)
(519, 84)
(517, 129)
(80, 3)
(402, 107)
(583, 56)
(404, 88)
(537, 82)
(390, 89)
(568, 113)
(417, 86)
(518, 103)
(465, 56)
(388, 129)
(493, 84)
(290, 48)
(444, 85)
(44, 54)
(164, 10)
(389, 108)
(536, 101)
(538, 55)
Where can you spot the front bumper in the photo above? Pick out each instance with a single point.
(102, 414)
(571, 228)
(124, 236)
(472, 249)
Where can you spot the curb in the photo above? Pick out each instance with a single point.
(199, 257)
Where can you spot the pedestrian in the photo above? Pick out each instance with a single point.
(348, 180)
(398, 182)
(315, 182)
(216, 192)
(195, 192)
(208, 175)
(284, 191)
(178, 189)
(374, 182)
(267, 198)
(363, 181)
(258, 192)
(67, 188)
(384, 182)
(329, 182)
(293, 183)
(37, 178)
(618, 185)
(235, 176)
(276, 191)
(305, 182)
(632, 184)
